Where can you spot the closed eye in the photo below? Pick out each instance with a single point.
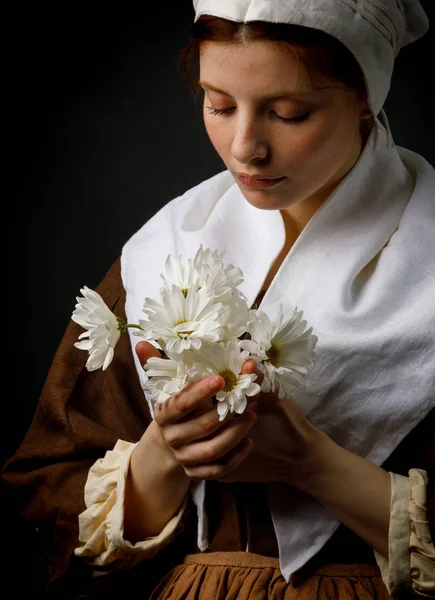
(224, 111)
(227, 111)
(298, 119)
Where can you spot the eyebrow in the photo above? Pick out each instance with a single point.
(277, 96)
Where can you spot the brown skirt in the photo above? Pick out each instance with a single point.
(245, 576)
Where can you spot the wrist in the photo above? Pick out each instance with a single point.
(156, 487)
(154, 469)
(352, 489)
(153, 444)
(314, 461)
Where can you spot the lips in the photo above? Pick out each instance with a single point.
(258, 181)
(257, 176)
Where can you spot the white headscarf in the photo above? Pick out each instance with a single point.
(373, 30)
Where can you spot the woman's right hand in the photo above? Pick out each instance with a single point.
(205, 447)
(185, 442)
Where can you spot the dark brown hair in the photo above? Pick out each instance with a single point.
(328, 61)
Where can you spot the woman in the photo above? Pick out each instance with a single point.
(323, 493)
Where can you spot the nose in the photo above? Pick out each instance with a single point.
(249, 142)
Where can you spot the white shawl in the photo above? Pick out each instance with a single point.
(362, 270)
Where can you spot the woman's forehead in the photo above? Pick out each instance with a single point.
(264, 62)
(269, 66)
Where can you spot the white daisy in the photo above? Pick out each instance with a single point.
(227, 361)
(103, 329)
(234, 319)
(220, 280)
(166, 377)
(285, 350)
(180, 272)
(181, 322)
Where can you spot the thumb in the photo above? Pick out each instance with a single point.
(145, 351)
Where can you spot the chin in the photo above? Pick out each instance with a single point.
(264, 200)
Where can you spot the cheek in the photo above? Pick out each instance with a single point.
(316, 146)
(217, 134)
(304, 149)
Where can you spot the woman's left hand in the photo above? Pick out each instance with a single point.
(285, 442)
(288, 448)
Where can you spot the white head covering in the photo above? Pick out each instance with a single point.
(373, 30)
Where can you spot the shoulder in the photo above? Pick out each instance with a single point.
(417, 164)
(422, 173)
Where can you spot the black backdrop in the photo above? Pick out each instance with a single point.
(103, 132)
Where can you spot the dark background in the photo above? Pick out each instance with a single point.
(102, 130)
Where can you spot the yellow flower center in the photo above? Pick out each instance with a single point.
(184, 292)
(273, 354)
(230, 379)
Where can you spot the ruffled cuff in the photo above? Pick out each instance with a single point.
(411, 554)
(101, 525)
(421, 544)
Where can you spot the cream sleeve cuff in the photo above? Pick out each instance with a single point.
(101, 525)
(411, 553)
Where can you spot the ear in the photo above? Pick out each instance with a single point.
(365, 113)
(366, 121)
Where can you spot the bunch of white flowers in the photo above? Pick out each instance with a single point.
(202, 323)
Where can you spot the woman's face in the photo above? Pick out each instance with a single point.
(267, 121)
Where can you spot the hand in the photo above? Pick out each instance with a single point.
(285, 442)
(205, 447)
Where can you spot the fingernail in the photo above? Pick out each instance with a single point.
(215, 383)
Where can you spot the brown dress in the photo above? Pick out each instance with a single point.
(81, 415)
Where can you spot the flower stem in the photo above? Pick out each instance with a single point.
(122, 325)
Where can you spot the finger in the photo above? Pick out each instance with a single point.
(211, 450)
(193, 397)
(222, 468)
(193, 429)
(250, 366)
(145, 351)
(199, 427)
